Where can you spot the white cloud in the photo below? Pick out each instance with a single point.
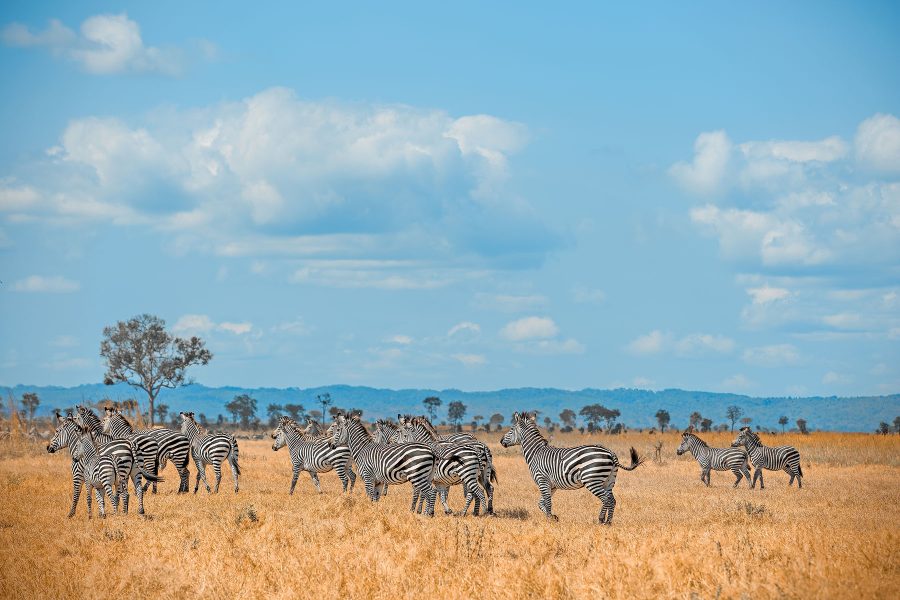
(766, 294)
(530, 328)
(107, 44)
(833, 378)
(403, 340)
(705, 174)
(464, 327)
(202, 324)
(295, 327)
(776, 355)
(551, 347)
(827, 150)
(651, 343)
(470, 360)
(843, 320)
(50, 285)
(276, 176)
(510, 302)
(878, 142)
(737, 382)
(703, 343)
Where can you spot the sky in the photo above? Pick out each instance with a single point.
(467, 196)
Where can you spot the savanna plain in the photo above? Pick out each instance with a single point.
(672, 537)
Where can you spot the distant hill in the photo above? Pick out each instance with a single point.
(638, 407)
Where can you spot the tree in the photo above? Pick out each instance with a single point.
(315, 414)
(746, 421)
(432, 403)
(663, 418)
(782, 420)
(30, 402)
(161, 411)
(475, 421)
(568, 418)
(705, 425)
(548, 423)
(294, 411)
(274, 411)
(695, 419)
(801, 425)
(897, 424)
(497, 419)
(242, 406)
(325, 401)
(733, 413)
(883, 428)
(594, 413)
(204, 422)
(141, 353)
(456, 411)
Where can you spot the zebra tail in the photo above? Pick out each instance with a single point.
(636, 461)
(800, 469)
(150, 476)
(234, 453)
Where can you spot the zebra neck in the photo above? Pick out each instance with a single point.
(357, 439)
(532, 443)
(293, 438)
(753, 444)
(699, 450)
(421, 435)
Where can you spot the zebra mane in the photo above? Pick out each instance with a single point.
(124, 420)
(695, 436)
(387, 423)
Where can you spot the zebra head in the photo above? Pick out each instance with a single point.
(339, 431)
(745, 436)
(383, 432)
(108, 416)
(685, 443)
(85, 417)
(189, 426)
(279, 436)
(514, 436)
(66, 434)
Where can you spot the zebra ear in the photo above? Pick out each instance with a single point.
(515, 416)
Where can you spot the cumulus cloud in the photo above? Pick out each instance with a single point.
(706, 173)
(50, 285)
(106, 44)
(651, 343)
(278, 176)
(878, 143)
(203, 324)
(530, 328)
(690, 345)
(775, 355)
(403, 340)
(766, 294)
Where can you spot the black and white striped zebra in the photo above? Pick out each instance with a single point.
(146, 447)
(314, 457)
(210, 449)
(475, 471)
(68, 434)
(593, 467)
(719, 459)
(100, 472)
(172, 445)
(773, 458)
(382, 464)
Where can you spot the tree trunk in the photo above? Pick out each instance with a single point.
(152, 400)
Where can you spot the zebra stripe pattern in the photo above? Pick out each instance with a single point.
(381, 464)
(210, 449)
(172, 445)
(593, 467)
(475, 468)
(314, 457)
(68, 434)
(719, 459)
(773, 458)
(146, 448)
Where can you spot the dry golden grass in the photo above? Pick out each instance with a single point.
(671, 537)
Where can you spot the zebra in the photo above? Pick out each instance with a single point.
(382, 464)
(172, 444)
(100, 472)
(456, 438)
(314, 431)
(773, 458)
(720, 459)
(312, 456)
(476, 470)
(147, 448)
(68, 434)
(210, 449)
(593, 467)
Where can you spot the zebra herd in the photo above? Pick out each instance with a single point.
(737, 458)
(106, 453)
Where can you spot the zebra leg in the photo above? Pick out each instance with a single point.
(185, 476)
(609, 506)
(123, 493)
(352, 477)
(201, 473)
(88, 500)
(737, 473)
(315, 480)
(704, 477)
(444, 491)
(294, 477)
(546, 501)
(235, 471)
(217, 470)
(341, 470)
(76, 493)
(432, 493)
(369, 483)
(140, 495)
(101, 509)
(161, 464)
(762, 484)
(113, 497)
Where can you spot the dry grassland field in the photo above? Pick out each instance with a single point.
(671, 537)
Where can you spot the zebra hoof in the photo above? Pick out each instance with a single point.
(553, 518)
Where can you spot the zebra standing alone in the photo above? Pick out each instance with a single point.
(210, 449)
(172, 445)
(593, 467)
(773, 458)
(312, 456)
(720, 459)
(381, 464)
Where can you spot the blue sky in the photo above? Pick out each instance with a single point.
(704, 197)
